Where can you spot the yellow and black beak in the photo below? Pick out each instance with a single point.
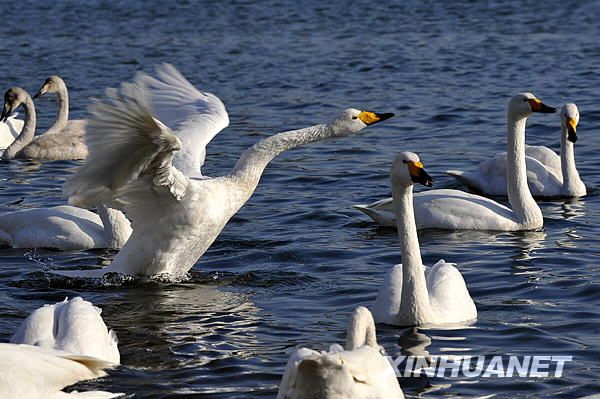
(572, 130)
(6, 112)
(418, 174)
(538, 106)
(370, 118)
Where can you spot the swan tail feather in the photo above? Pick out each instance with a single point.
(383, 218)
(465, 178)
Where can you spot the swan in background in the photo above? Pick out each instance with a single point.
(64, 228)
(74, 326)
(57, 346)
(548, 174)
(412, 294)
(9, 131)
(359, 371)
(49, 146)
(131, 165)
(457, 210)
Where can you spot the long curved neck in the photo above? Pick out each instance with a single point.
(251, 165)
(361, 330)
(567, 164)
(27, 133)
(62, 117)
(527, 212)
(117, 228)
(414, 305)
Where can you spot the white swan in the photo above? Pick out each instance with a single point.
(358, 372)
(457, 210)
(9, 131)
(64, 228)
(57, 346)
(412, 294)
(548, 174)
(174, 218)
(52, 145)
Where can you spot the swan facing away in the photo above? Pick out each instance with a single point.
(412, 294)
(131, 165)
(548, 174)
(57, 346)
(9, 131)
(359, 371)
(64, 228)
(457, 210)
(52, 145)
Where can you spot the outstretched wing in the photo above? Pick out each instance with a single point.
(194, 116)
(128, 149)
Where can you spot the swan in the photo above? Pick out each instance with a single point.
(52, 145)
(457, 210)
(57, 346)
(412, 294)
(359, 371)
(65, 228)
(548, 174)
(9, 131)
(131, 165)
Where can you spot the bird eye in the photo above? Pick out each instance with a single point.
(404, 161)
(355, 117)
(525, 100)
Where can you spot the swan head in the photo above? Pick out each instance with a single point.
(353, 120)
(51, 85)
(319, 376)
(13, 97)
(569, 119)
(524, 104)
(407, 170)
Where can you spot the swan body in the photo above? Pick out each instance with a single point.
(65, 228)
(9, 131)
(175, 218)
(412, 294)
(456, 210)
(548, 174)
(359, 371)
(52, 145)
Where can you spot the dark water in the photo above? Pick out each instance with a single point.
(292, 264)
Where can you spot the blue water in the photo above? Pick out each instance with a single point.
(293, 263)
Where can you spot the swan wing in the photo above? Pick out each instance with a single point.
(74, 326)
(194, 116)
(130, 156)
(545, 156)
(448, 293)
(387, 303)
(288, 381)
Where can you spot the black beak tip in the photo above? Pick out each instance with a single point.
(572, 137)
(36, 95)
(387, 115)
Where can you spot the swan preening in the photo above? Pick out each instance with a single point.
(548, 174)
(132, 165)
(63, 140)
(358, 371)
(57, 346)
(457, 210)
(412, 294)
(64, 227)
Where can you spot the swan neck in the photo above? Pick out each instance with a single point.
(27, 132)
(361, 330)
(567, 164)
(117, 227)
(62, 116)
(414, 304)
(526, 210)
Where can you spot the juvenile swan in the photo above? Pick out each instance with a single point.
(131, 165)
(412, 294)
(357, 372)
(457, 210)
(548, 174)
(65, 228)
(49, 146)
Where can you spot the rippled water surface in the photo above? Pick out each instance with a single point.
(293, 263)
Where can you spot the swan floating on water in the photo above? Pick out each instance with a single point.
(57, 346)
(65, 228)
(131, 165)
(412, 294)
(457, 210)
(52, 145)
(9, 131)
(359, 371)
(548, 174)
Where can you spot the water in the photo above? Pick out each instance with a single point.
(289, 268)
